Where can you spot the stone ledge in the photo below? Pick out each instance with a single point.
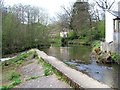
(76, 78)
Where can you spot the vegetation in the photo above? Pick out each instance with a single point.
(95, 45)
(49, 70)
(14, 77)
(104, 57)
(17, 61)
(10, 75)
(32, 77)
(116, 57)
(23, 27)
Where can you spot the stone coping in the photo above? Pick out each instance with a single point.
(77, 78)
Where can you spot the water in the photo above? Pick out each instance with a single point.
(79, 56)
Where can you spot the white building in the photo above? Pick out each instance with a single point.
(112, 31)
(112, 26)
(63, 34)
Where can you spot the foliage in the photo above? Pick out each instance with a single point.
(72, 35)
(32, 77)
(116, 57)
(80, 18)
(16, 82)
(101, 30)
(96, 47)
(23, 28)
(14, 75)
(96, 44)
(5, 87)
(17, 61)
(47, 69)
(10, 73)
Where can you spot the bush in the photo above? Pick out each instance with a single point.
(72, 35)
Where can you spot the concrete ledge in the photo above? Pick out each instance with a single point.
(76, 78)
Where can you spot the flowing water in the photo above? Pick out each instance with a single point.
(80, 57)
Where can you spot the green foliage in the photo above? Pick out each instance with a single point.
(95, 45)
(19, 59)
(72, 35)
(47, 69)
(16, 82)
(5, 87)
(101, 29)
(116, 57)
(21, 33)
(14, 75)
(32, 77)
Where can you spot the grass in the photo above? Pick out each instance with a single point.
(49, 70)
(19, 60)
(56, 42)
(10, 76)
(32, 77)
(13, 75)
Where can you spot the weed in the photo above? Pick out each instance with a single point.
(14, 75)
(16, 82)
(47, 69)
(32, 77)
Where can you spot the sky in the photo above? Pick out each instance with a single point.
(51, 6)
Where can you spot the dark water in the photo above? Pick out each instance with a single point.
(80, 57)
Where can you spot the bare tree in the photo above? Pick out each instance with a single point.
(105, 4)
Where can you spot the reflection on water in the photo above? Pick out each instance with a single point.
(79, 56)
(70, 53)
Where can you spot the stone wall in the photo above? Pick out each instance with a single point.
(112, 47)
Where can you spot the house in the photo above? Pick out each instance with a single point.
(112, 31)
(64, 33)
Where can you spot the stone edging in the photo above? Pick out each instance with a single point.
(76, 78)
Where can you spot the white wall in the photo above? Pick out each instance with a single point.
(109, 32)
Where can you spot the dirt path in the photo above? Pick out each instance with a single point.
(35, 70)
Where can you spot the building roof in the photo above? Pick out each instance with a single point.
(115, 13)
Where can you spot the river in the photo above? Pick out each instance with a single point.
(80, 57)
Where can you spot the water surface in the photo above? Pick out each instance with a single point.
(80, 57)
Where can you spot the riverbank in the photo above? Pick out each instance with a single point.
(104, 56)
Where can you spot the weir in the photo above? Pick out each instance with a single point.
(76, 79)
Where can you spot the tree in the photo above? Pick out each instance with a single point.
(22, 28)
(80, 18)
(105, 4)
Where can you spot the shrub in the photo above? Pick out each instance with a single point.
(72, 35)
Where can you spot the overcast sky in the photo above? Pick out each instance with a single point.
(52, 6)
